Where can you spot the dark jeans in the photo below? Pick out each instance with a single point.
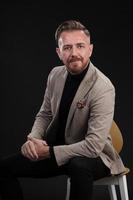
(82, 171)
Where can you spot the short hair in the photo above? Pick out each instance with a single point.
(70, 25)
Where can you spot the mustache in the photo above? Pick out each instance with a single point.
(74, 59)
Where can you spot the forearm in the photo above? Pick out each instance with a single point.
(39, 127)
(42, 121)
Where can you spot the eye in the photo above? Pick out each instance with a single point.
(67, 48)
(80, 46)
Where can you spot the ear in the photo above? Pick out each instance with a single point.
(58, 52)
(91, 49)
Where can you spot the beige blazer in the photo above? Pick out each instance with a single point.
(89, 119)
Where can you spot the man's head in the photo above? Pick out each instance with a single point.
(70, 25)
(74, 47)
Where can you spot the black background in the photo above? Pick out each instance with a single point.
(28, 54)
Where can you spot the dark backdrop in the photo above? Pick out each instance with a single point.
(28, 54)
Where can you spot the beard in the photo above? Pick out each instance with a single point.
(76, 65)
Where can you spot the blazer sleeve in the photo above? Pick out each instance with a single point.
(44, 116)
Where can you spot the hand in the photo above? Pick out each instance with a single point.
(29, 151)
(35, 149)
(42, 149)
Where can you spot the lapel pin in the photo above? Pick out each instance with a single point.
(81, 104)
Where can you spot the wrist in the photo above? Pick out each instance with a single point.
(47, 151)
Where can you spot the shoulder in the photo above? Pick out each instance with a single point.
(58, 70)
(101, 79)
(57, 73)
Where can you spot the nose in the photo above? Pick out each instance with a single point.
(73, 51)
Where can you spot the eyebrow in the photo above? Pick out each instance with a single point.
(79, 43)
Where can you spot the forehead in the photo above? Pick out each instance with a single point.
(73, 37)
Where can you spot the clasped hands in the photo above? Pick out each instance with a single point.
(35, 149)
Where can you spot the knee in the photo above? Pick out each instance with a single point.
(78, 166)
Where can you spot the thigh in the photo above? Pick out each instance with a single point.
(93, 166)
(19, 166)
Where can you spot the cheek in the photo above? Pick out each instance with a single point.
(87, 54)
(65, 57)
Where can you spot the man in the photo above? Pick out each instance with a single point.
(70, 134)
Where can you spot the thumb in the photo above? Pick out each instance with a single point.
(35, 140)
(44, 143)
(32, 139)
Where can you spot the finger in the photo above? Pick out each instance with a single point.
(33, 151)
(25, 152)
(29, 150)
(23, 149)
(44, 142)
